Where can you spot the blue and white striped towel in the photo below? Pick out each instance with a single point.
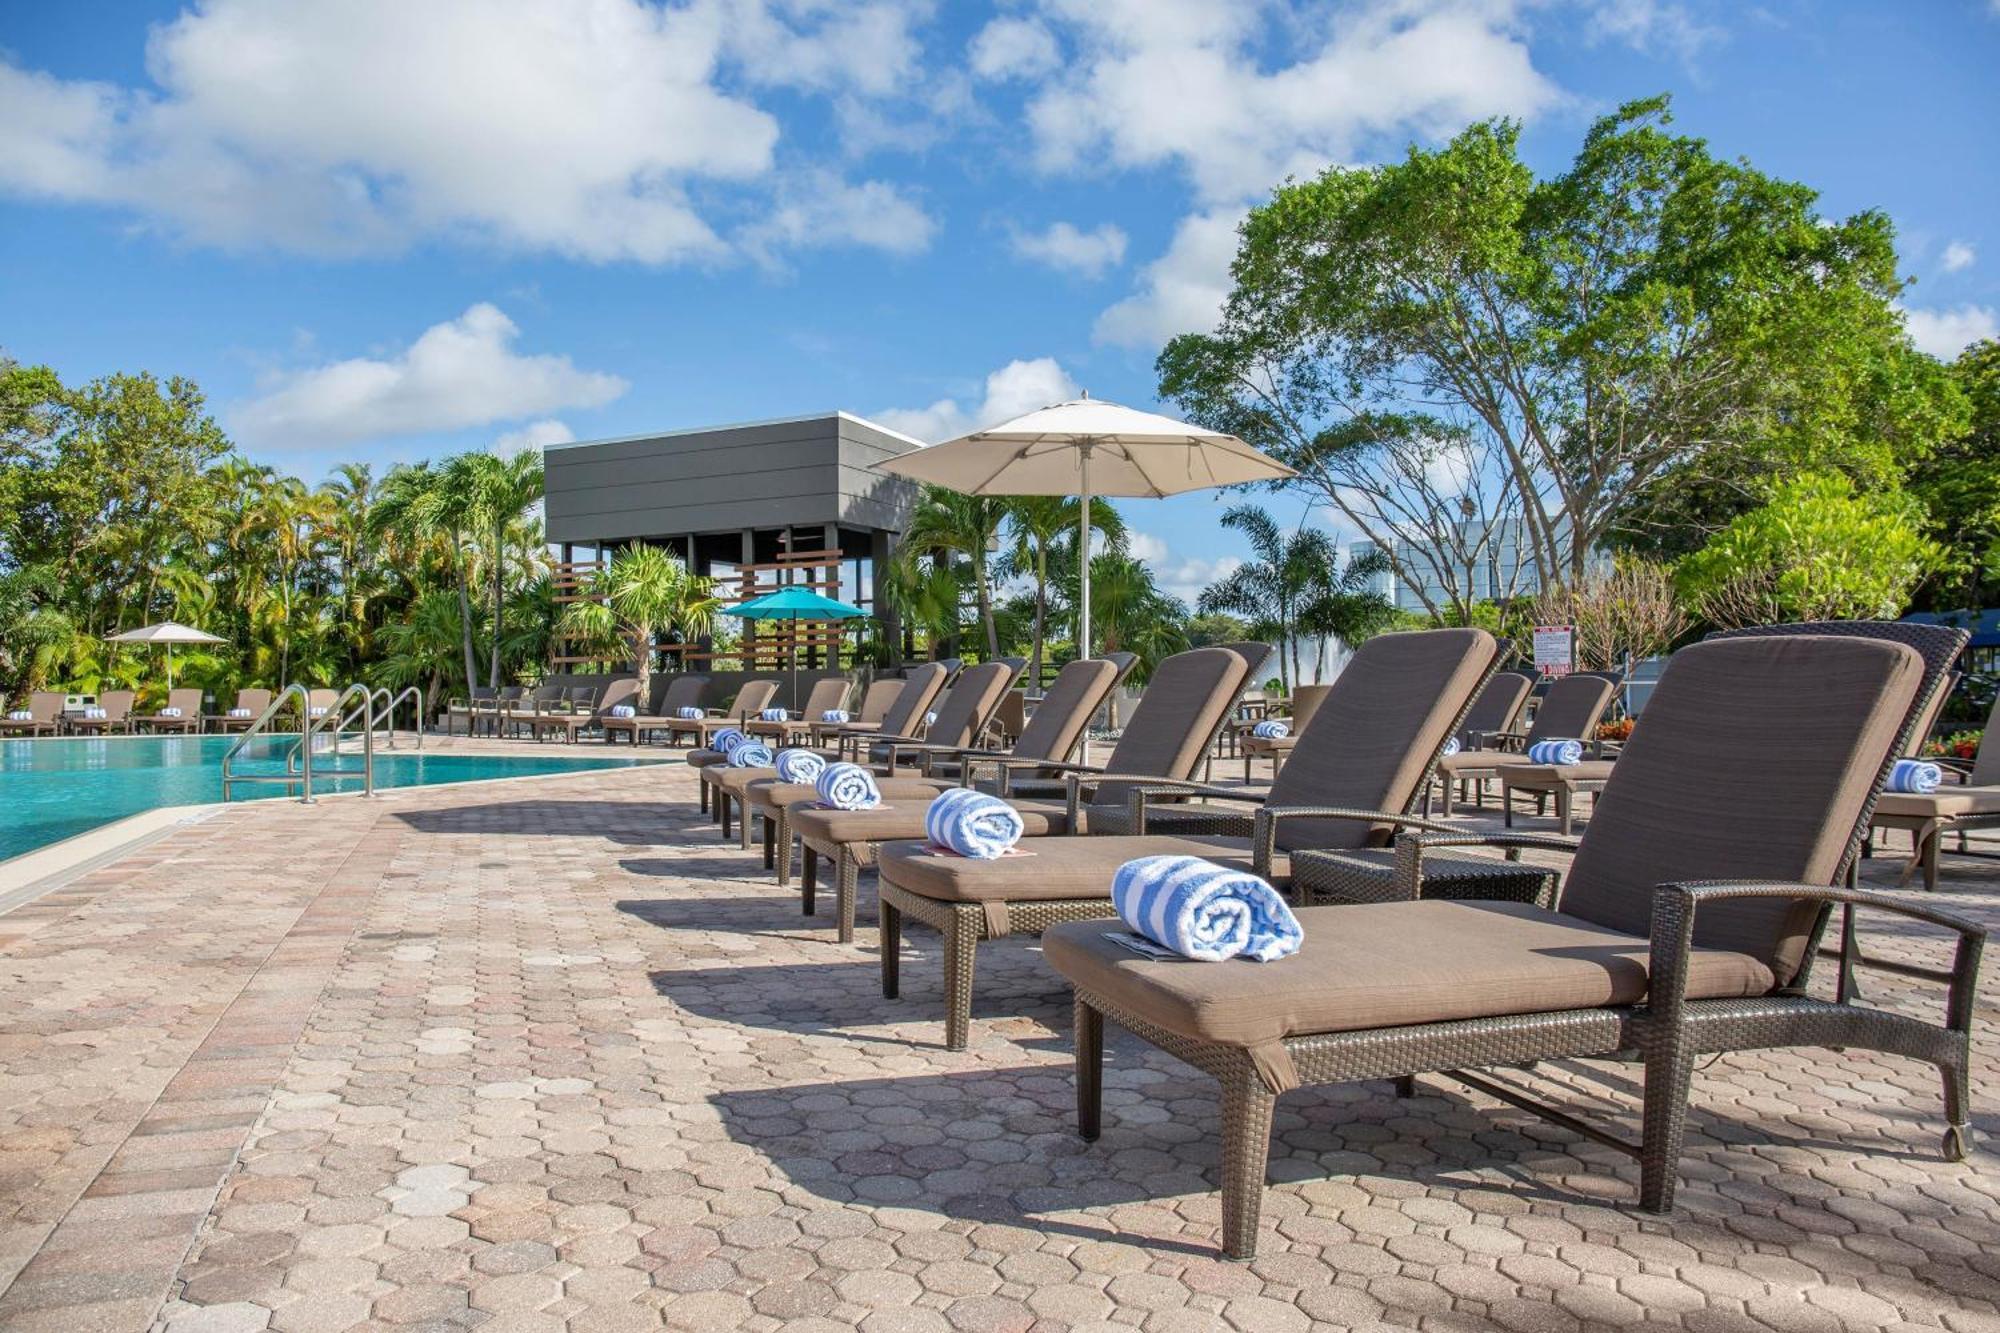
(833, 715)
(1204, 911)
(751, 754)
(799, 765)
(688, 712)
(1560, 753)
(1915, 777)
(1451, 746)
(170, 711)
(930, 719)
(1272, 730)
(848, 787)
(973, 824)
(726, 740)
(774, 715)
(624, 710)
(20, 715)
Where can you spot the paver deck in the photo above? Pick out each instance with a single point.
(549, 1055)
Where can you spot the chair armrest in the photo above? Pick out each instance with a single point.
(1411, 847)
(1672, 935)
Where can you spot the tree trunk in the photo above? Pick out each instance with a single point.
(985, 595)
(499, 576)
(464, 612)
(1041, 610)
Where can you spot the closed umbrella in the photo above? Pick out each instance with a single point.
(1088, 448)
(168, 632)
(793, 604)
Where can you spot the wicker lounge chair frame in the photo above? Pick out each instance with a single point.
(752, 698)
(1667, 1031)
(618, 691)
(1929, 821)
(876, 701)
(1565, 725)
(832, 692)
(683, 691)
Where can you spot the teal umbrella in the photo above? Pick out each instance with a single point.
(794, 603)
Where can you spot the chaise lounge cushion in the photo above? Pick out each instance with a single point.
(902, 818)
(1944, 803)
(1387, 965)
(1525, 775)
(1050, 869)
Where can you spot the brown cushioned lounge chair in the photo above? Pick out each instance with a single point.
(45, 715)
(919, 691)
(833, 692)
(1959, 809)
(188, 719)
(1687, 925)
(117, 706)
(751, 699)
(612, 694)
(1354, 777)
(679, 692)
(849, 837)
(1569, 711)
(254, 701)
(1494, 714)
(876, 702)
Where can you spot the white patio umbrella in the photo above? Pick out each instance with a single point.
(169, 632)
(1088, 448)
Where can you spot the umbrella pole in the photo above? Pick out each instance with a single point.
(1083, 602)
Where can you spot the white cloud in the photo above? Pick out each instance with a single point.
(1016, 388)
(456, 374)
(536, 435)
(1065, 246)
(1946, 333)
(1183, 290)
(1649, 25)
(579, 127)
(1183, 576)
(819, 209)
(1016, 49)
(1959, 254)
(1189, 83)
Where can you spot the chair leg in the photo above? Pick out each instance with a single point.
(846, 885)
(1246, 1155)
(809, 881)
(892, 950)
(1563, 799)
(1957, 1111)
(1936, 836)
(1089, 1039)
(1506, 802)
(1669, 1069)
(770, 839)
(743, 815)
(961, 939)
(782, 828)
(722, 811)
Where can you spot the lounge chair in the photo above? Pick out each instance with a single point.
(1955, 808)
(116, 705)
(185, 716)
(471, 708)
(1687, 926)
(1495, 713)
(826, 695)
(1369, 750)
(681, 692)
(850, 837)
(1569, 711)
(876, 702)
(752, 698)
(319, 707)
(45, 715)
(761, 792)
(249, 706)
(595, 712)
(1304, 703)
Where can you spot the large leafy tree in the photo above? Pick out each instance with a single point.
(1960, 486)
(1626, 347)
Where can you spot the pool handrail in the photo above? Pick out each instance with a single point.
(298, 761)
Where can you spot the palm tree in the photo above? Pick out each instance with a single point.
(1270, 591)
(949, 523)
(1344, 607)
(1129, 613)
(500, 492)
(31, 625)
(1038, 525)
(644, 593)
(418, 502)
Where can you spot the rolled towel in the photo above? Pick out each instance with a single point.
(624, 710)
(775, 715)
(688, 712)
(799, 765)
(170, 711)
(20, 715)
(848, 787)
(750, 754)
(1273, 730)
(93, 712)
(1451, 746)
(833, 715)
(1915, 777)
(973, 824)
(1560, 753)
(239, 712)
(726, 740)
(317, 710)
(930, 719)
(1204, 911)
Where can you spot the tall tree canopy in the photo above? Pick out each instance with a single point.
(1629, 350)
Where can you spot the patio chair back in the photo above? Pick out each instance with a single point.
(1186, 701)
(876, 702)
(623, 690)
(681, 692)
(46, 705)
(188, 700)
(752, 699)
(1376, 735)
(1060, 719)
(512, 694)
(1740, 773)
(1572, 708)
(117, 704)
(832, 692)
(1986, 762)
(1257, 656)
(920, 689)
(1499, 705)
(1920, 730)
(975, 697)
(255, 700)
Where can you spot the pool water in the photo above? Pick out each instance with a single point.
(57, 788)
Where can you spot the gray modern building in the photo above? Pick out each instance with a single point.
(762, 504)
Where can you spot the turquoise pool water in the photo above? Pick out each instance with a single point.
(56, 789)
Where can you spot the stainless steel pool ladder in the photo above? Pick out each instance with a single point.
(299, 759)
(383, 718)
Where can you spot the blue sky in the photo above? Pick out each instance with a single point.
(380, 230)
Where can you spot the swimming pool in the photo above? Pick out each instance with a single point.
(56, 789)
